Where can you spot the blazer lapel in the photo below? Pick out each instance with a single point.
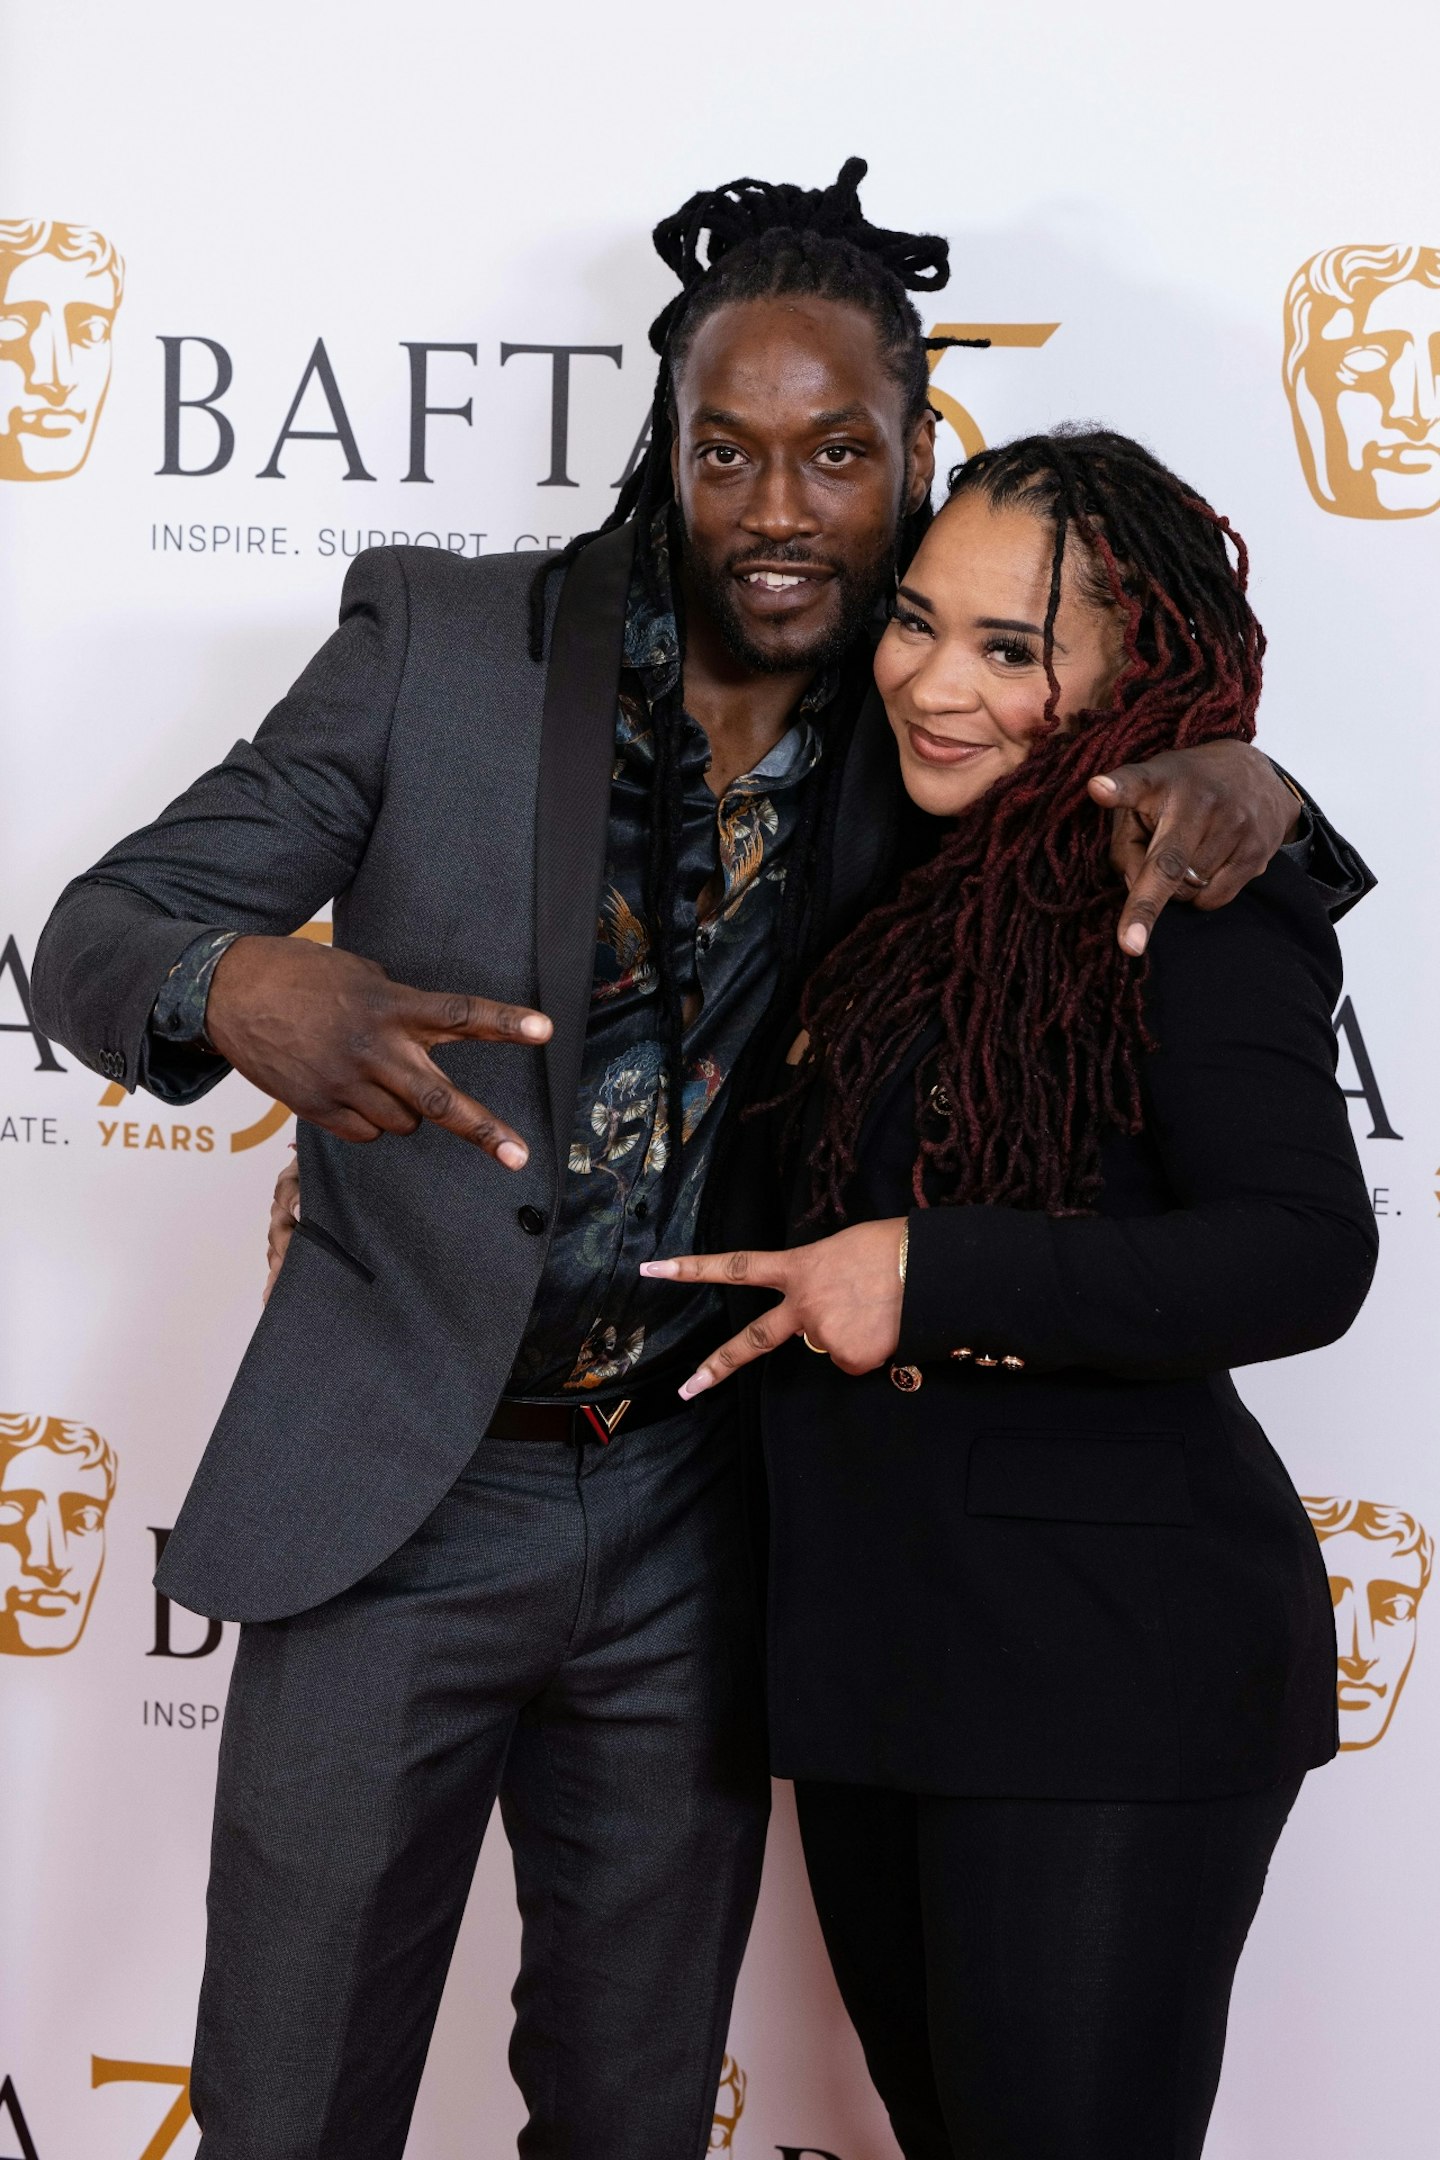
(867, 821)
(577, 755)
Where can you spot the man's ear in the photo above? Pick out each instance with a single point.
(920, 477)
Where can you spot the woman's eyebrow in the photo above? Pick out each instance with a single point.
(1005, 622)
(916, 599)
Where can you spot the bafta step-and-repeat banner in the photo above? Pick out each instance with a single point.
(282, 284)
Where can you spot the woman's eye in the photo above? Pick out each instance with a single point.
(1011, 652)
(907, 621)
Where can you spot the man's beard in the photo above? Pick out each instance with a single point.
(863, 589)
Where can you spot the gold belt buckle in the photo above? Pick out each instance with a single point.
(606, 1423)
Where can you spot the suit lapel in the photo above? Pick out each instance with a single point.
(577, 754)
(867, 820)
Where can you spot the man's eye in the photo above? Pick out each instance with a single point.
(1396, 1610)
(722, 453)
(838, 453)
(92, 330)
(12, 329)
(11, 1511)
(1365, 359)
(87, 1518)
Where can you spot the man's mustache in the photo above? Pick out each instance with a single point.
(790, 552)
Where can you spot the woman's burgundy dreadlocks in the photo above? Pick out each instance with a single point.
(749, 240)
(1007, 935)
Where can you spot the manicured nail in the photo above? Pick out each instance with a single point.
(536, 1028)
(1134, 938)
(1103, 780)
(513, 1155)
(696, 1385)
(669, 1269)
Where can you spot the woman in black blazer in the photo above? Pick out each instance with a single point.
(1051, 1644)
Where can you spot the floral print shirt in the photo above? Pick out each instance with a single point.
(595, 1321)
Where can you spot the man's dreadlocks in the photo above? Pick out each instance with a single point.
(750, 240)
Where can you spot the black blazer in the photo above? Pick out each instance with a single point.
(1087, 1575)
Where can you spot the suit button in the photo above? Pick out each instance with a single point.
(531, 1220)
(907, 1378)
(986, 1361)
(112, 1064)
(1013, 1363)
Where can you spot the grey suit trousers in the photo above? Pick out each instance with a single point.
(573, 1628)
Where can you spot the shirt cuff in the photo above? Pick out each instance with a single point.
(178, 1015)
(1302, 847)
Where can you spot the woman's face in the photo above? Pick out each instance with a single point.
(961, 667)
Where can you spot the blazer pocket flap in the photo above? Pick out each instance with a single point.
(1060, 1477)
(316, 1234)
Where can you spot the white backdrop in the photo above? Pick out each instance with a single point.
(1145, 179)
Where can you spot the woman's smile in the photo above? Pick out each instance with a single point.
(933, 749)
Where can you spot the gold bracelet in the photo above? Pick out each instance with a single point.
(904, 1249)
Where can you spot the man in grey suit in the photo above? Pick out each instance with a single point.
(478, 1546)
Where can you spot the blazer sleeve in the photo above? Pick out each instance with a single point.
(1271, 1243)
(257, 845)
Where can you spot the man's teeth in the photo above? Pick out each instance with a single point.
(774, 579)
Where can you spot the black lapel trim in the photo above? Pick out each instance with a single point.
(577, 755)
(867, 819)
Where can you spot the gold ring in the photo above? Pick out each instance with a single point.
(1193, 877)
(818, 1348)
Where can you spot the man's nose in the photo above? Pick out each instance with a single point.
(1414, 388)
(52, 361)
(778, 507)
(1354, 1636)
(45, 1553)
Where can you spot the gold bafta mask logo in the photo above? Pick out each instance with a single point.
(1378, 1560)
(729, 2105)
(56, 1483)
(1362, 373)
(60, 287)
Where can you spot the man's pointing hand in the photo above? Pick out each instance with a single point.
(329, 1035)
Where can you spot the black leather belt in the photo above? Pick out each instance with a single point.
(516, 1419)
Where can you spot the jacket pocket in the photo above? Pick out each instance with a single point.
(1082, 1477)
(321, 1237)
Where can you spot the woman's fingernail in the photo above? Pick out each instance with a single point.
(535, 1028)
(669, 1269)
(1134, 938)
(513, 1155)
(697, 1384)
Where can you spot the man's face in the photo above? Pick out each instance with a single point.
(1375, 1591)
(52, 1548)
(1373, 369)
(793, 467)
(55, 320)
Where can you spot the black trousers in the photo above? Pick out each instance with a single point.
(575, 1631)
(1039, 1979)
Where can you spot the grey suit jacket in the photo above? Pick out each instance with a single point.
(452, 796)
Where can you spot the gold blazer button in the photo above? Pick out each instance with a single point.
(1013, 1363)
(961, 1355)
(987, 1362)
